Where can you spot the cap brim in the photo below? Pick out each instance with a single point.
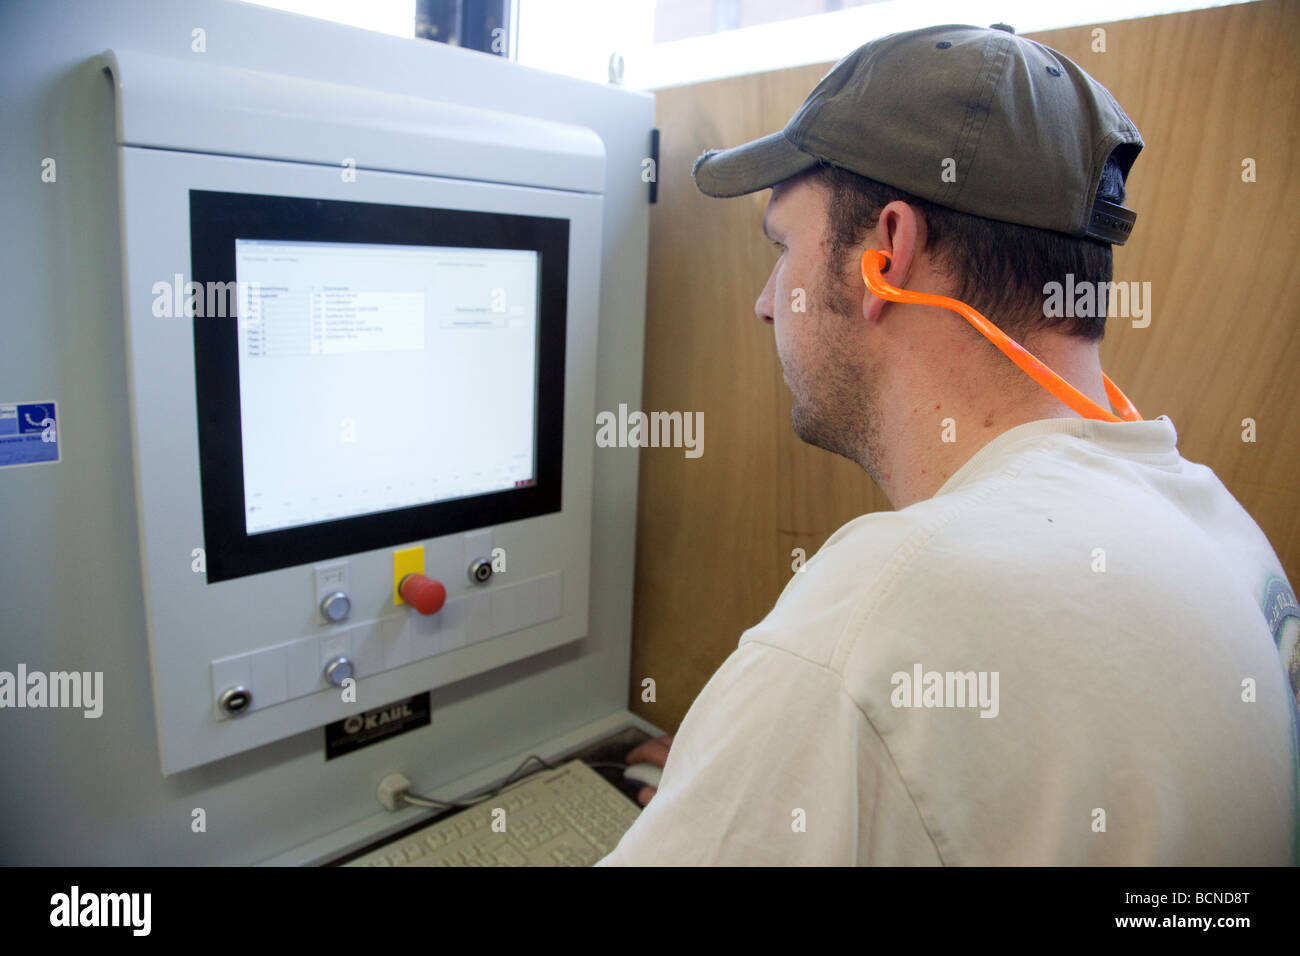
(761, 164)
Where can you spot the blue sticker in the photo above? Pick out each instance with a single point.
(29, 433)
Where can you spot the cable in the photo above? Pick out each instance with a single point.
(433, 804)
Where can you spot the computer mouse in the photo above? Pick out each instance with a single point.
(644, 773)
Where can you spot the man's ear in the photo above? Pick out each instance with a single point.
(899, 234)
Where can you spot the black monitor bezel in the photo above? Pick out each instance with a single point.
(217, 219)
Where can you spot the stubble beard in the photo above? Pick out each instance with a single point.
(834, 407)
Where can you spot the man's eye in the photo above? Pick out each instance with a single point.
(779, 245)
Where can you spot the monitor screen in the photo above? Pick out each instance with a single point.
(364, 371)
(392, 373)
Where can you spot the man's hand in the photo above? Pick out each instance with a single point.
(652, 751)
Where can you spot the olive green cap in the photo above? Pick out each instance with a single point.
(978, 120)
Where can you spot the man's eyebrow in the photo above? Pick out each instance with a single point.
(765, 232)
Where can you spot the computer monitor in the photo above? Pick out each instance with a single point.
(396, 372)
(336, 381)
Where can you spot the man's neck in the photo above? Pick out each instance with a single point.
(935, 427)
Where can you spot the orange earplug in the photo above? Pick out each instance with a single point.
(874, 262)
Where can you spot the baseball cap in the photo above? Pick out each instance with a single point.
(978, 120)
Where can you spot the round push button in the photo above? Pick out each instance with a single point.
(336, 607)
(424, 594)
(338, 670)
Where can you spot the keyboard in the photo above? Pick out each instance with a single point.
(570, 816)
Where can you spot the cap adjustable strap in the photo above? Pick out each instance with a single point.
(1110, 222)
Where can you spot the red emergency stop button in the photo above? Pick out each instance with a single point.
(424, 594)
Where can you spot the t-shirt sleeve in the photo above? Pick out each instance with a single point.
(770, 766)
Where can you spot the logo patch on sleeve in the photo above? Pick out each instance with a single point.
(1281, 609)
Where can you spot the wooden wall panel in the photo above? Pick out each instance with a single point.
(715, 534)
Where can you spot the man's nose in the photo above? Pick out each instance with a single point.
(763, 304)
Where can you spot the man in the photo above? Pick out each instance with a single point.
(1062, 647)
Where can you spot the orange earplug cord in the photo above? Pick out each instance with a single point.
(874, 262)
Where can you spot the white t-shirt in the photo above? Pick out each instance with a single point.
(1103, 622)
